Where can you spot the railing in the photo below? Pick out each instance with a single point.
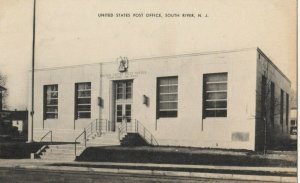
(92, 128)
(96, 127)
(137, 127)
(50, 132)
(84, 136)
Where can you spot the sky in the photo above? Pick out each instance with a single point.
(70, 32)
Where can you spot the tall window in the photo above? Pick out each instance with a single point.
(215, 95)
(272, 103)
(50, 101)
(83, 100)
(167, 96)
(281, 108)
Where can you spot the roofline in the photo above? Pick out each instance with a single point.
(269, 60)
(147, 58)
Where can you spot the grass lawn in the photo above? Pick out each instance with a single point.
(187, 155)
(18, 150)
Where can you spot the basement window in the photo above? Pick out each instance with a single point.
(215, 95)
(50, 101)
(83, 100)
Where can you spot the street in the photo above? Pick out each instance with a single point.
(19, 175)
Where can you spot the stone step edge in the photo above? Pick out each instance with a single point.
(164, 173)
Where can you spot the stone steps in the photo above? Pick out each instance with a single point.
(66, 152)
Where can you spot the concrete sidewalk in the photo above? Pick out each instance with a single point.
(272, 174)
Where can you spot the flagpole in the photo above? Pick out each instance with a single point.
(32, 71)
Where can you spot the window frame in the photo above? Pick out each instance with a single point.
(46, 106)
(166, 113)
(77, 104)
(205, 98)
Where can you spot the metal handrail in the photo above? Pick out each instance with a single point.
(49, 132)
(96, 126)
(84, 132)
(145, 132)
(138, 127)
(90, 129)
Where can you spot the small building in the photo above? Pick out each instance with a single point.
(213, 99)
(20, 120)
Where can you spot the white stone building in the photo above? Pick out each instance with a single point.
(201, 100)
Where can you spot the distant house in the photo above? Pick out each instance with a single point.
(20, 120)
(12, 123)
(209, 99)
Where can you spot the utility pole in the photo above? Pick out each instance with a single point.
(32, 71)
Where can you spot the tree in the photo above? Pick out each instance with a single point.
(270, 108)
(3, 79)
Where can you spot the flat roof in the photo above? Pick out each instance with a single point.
(270, 61)
(177, 56)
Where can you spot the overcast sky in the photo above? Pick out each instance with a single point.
(70, 32)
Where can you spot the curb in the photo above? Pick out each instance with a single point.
(159, 173)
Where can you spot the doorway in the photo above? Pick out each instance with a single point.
(123, 102)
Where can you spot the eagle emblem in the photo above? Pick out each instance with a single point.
(123, 64)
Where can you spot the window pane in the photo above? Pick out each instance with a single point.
(84, 108)
(119, 96)
(84, 93)
(216, 86)
(168, 89)
(221, 113)
(51, 109)
(119, 113)
(84, 86)
(217, 95)
(168, 113)
(84, 115)
(216, 77)
(168, 97)
(168, 106)
(128, 90)
(128, 95)
(52, 101)
(293, 122)
(216, 104)
(128, 112)
(53, 94)
(84, 100)
(51, 116)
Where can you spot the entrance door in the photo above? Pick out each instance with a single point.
(123, 101)
(123, 112)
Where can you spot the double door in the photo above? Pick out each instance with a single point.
(123, 112)
(123, 101)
